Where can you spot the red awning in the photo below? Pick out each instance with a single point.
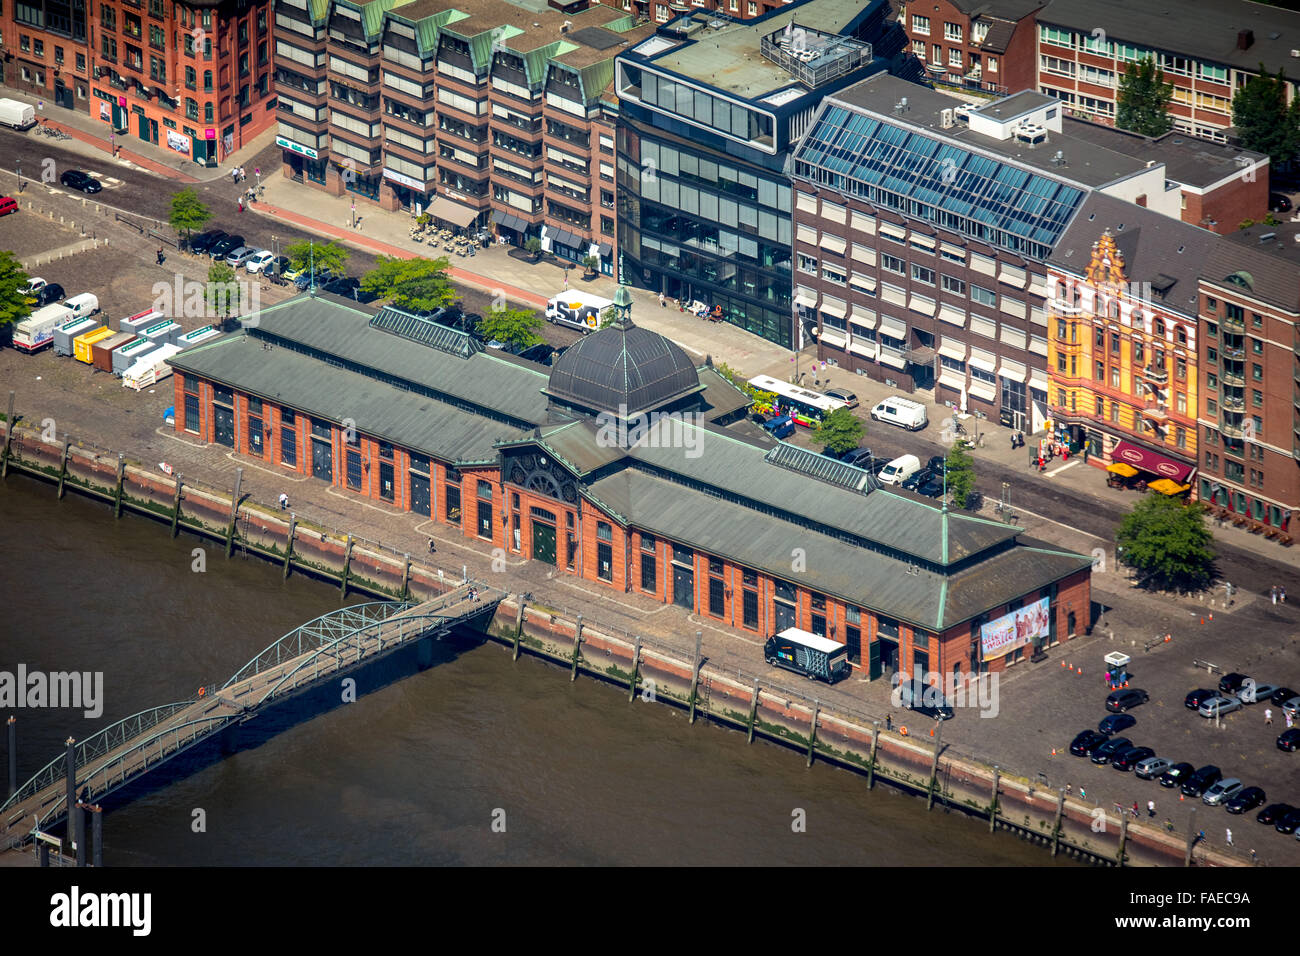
(1152, 462)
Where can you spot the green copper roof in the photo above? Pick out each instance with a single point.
(535, 61)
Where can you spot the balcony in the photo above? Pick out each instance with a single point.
(1160, 376)
(1232, 378)
(1230, 429)
(1157, 413)
(1236, 354)
(1233, 325)
(1232, 404)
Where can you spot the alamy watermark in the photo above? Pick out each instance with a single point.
(651, 430)
(76, 689)
(932, 689)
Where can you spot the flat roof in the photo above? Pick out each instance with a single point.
(1204, 29)
(1017, 104)
(1187, 160)
(1086, 163)
(727, 58)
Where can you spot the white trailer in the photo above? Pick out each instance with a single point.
(151, 369)
(37, 331)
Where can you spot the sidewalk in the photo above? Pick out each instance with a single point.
(91, 138)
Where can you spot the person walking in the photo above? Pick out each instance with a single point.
(241, 204)
(1290, 721)
(1151, 808)
(1281, 592)
(1135, 810)
(161, 257)
(242, 177)
(889, 722)
(1229, 832)
(1268, 717)
(284, 501)
(234, 174)
(432, 548)
(1273, 593)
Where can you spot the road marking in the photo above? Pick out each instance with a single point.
(1056, 471)
(1067, 527)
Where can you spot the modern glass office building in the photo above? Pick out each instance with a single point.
(710, 108)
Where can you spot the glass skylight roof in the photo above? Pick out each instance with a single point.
(930, 179)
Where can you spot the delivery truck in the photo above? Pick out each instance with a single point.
(17, 115)
(37, 330)
(577, 310)
(82, 345)
(68, 331)
(817, 658)
(132, 352)
(151, 369)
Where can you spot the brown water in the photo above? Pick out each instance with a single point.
(414, 772)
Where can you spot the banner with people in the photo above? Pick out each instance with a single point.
(1002, 636)
(178, 141)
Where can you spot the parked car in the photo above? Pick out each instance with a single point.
(48, 294)
(1131, 757)
(1287, 823)
(1248, 799)
(902, 412)
(1291, 707)
(842, 395)
(1231, 683)
(858, 457)
(1272, 813)
(1277, 202)
(1202, 780)
(1290, 740)
(1121, 700)
(913, 481)
(1222, 791)
(237, 257)
(1152, 767)
(1196, 698)
(1103, 753)
(1176, 775)
(258, 261)
(758, 418)
(899, 470)
(923, 699)
(541, 353)
(1114, 723)
(937, 464)
(780, 427)
(350, 288)
(1085, 742)
(223, 247)
(305, 279)
(76, 179)
(1282, 695)
(932, 487)
(1263, 692)
(204, 241)
(1218, 706)
(7, 205)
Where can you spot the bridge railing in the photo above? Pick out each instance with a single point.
(92, 748)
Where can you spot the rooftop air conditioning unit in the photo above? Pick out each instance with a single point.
(945, 119)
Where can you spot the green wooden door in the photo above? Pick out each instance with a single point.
(543, 542)
(873, 660)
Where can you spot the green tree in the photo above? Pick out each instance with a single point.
(224, 293)
(960, 469)
(418, 284)
(317, 255)
(188, 212)
(607, 316)
(517, 327)
(1143, 100)
(591, 264)
(1168, 543)
(533, 246)
(15, 305)
(840, 431)
(1264, 121)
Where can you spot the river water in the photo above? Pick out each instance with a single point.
(428, 769)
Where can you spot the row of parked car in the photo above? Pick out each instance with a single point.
(1207, 782)
(218, 244)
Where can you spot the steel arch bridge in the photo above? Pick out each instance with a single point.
(321, 649)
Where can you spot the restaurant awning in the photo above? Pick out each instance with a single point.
(1152, 462)
(1167, 487)
(1121, 469)
(452, 212)
(566, 238)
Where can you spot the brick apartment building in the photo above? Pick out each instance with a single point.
(1122, 358)
(480, 114)
(699, 513)
(985, 45)
(1250, 377)
(662, 11)
(194, 77)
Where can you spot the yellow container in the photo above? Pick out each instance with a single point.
(82, 345)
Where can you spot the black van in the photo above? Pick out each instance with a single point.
(817, 658)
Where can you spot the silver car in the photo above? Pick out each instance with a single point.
(241, 255)
(1152, 767)
(1262, 692)
(1223, 791)
(1292, 707)
(1218, 706)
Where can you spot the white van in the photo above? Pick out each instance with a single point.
(899, 470)
(577, 310)
(83, 305)
(902, 412)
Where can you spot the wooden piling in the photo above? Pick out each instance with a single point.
(636, 671)
(753, 713)
(63, 467)
(1191, 838)
(234, 512)
(347, 568)
(695, 674)
(9, 434)
(1056, 825)
(117, 494)
(577, 648)
(288, 545)
(871, 761)
(1123, 839)
(519, 627)
(176, 508)
(812, 731)
(934, 764)
(993, 801)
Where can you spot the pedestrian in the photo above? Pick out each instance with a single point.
(432, 548)
(160, 255)
(284, 501)
(1083, 794)
(1282, 593)
(1169, 825)
(1069, 789)
(1151, 808)
(234, 174)
(889, 722)
(1254, 857)
(663, 303)
(22, 184)
(1229, 832)
(1268, 717)
(1289, 721)
(1135, 810)
(241, 204)
(1273, 592)
(242, 177)
(1013, 441)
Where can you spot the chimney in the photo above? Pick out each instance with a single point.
(1245, 38)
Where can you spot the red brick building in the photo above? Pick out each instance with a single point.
(635, 475)
(45, 52)
(974, 44)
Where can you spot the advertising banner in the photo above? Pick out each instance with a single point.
(178, 141)
(1001, 637)
(105, 112)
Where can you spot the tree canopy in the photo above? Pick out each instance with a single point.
(224, 293)
(517, 327)
(1264, 121)
(960, 469)
(188, 212)
(1168, 543)
(418, 284)
(840, 431)
(15, 305)
(317, 255)
(1143, 99)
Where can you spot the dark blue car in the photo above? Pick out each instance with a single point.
(781, 427)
